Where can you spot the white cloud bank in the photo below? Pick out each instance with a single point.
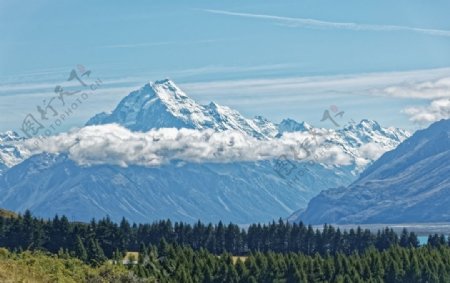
(436, 91)
(428, 89)
(113, 144)
(435, 111)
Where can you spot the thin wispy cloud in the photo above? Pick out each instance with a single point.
(136, 45)
(263, 94)
(17, 87)
(417, 84)
(314, 23)
(161, 43)
(430, 86)
(217, 69)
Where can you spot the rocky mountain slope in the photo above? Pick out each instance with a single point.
(407, 185)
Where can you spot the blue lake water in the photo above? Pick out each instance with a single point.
(423, 240)
(421, 229)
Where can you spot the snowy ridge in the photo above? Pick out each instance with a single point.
(163, 105)
(290, 125)
(10, 151)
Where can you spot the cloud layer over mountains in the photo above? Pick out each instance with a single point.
(114, 144)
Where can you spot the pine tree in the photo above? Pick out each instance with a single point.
(220, 238)
(404, 238)
(95, 253)
(117, 257)
(413, 240)
(142, 253)
(80, 250)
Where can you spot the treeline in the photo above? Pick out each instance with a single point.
(98, 240)
(172, 263)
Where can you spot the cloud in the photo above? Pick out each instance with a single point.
(427, 83)
(314, 23)
(113, 144)
(371, 151)
(430, 89)
(161, 43)
(438, 109)
(250, 95)
(437, 92)
(17, 87)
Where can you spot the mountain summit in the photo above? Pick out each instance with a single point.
(10, 153)
(162, 104)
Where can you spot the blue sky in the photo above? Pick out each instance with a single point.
(383, 60)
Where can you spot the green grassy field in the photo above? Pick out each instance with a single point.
(44, 267)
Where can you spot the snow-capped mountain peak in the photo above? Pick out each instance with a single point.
(368, 131)
(175, 99)
(162, 104)
(159, 104)
(290, 125)
(10, 154)
(9, 136)
(168, 89)
(369, 124)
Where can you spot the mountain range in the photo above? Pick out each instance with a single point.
(10, 153)
(408, 184)
(162, 104)
(242, 191)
